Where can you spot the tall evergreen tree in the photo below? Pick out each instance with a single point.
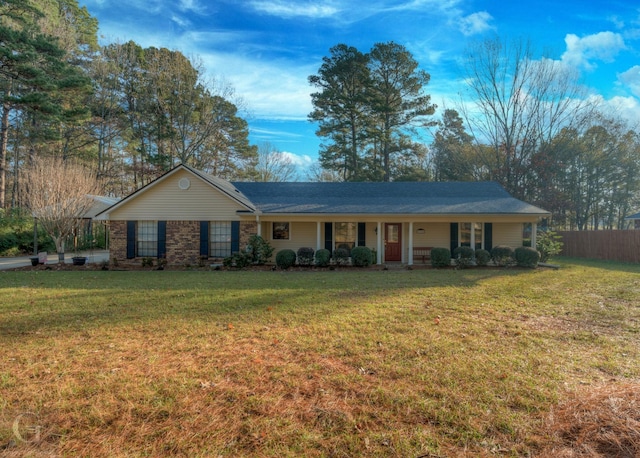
(397, 99)
(341, 109)
(36, 78)
(368, 108)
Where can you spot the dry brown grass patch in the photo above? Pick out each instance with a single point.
(602, 421)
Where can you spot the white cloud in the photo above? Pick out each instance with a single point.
(603, 46)
(291, 9)
(625, 108)
(181, 21)
(274, 89)
(476, 23)
(631, 79)
(300, 161)
(192, 5)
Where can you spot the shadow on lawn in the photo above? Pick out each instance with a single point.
(49, 301)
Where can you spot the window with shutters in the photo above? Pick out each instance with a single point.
(471, 235)
(346, 235)
(220, 239)
(147, 238)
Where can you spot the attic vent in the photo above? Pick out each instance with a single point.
(184, 183)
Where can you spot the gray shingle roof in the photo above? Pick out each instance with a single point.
(385, 198)
(636, 216)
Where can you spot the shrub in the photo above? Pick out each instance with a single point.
(548, 244)
(323, 256)
(502, 255)
(440, 257)
(463, 256)
(341, 256)
(239, 260)
(285, 258)
(259, 249)
(305, 256)
(147, 262)
(482, 257)
(361, 256)
(16, 234)
(526, 256)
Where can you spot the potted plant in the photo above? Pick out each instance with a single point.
(79, 260)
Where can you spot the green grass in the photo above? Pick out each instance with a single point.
(342, 363)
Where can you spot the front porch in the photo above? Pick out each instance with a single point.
(405, 242)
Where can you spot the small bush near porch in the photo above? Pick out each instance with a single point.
(352, 363)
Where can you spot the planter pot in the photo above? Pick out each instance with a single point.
(79, 260)
(35, 261)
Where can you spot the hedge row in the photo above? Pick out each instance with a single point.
(500, 255)
(361, 256)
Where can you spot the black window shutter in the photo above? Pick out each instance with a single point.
(235, 237)
(362, 234)
(131, 239)
(454, 237)
(488, 236)
(162, 239)
(204, 238)
(328, 236)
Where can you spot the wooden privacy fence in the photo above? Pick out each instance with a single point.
(611, 245)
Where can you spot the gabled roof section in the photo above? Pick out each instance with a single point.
(221, 185)
(385, 198)
(224, 186)
(636, 216)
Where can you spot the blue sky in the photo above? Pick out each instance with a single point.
(266, 49)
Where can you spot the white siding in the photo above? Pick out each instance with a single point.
(166, 201)
(507, 234)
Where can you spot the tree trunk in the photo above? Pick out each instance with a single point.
(4, 136)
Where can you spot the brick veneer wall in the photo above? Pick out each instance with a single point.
(117, 241)
(182, 243)
(247, 229)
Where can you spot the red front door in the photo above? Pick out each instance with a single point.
(393, 242)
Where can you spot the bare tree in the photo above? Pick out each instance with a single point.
(274, 165)
(520, 104)
(58, 193)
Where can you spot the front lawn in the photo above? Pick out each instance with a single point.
(339, 363)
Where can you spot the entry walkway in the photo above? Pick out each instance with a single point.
(95, 256)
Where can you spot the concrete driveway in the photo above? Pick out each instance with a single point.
(95, 256)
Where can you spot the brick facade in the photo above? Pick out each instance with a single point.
(117, 241)
(182, 241)
(247, 229)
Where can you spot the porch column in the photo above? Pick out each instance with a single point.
(379, 242)
(534, 229)
(473, 236)
(318, 235)
(410, 261)
(259, 225)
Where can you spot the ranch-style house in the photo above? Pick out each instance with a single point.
(187, 215)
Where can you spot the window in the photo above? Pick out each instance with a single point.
(147, 238)
(477, 235)
(346, 235)
(219, 239)
(280, 231)
(471, 235)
